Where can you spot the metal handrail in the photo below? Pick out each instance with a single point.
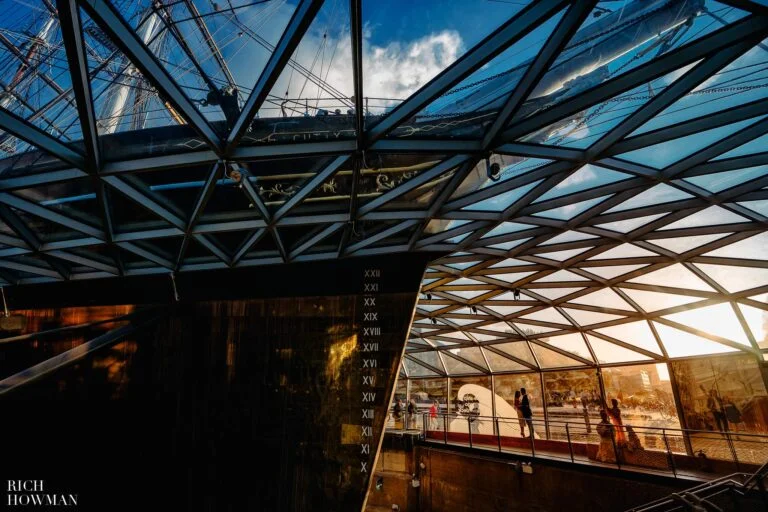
(440, 421)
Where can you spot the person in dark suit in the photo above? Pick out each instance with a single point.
(525, 408)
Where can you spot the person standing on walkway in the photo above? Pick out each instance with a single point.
(525, 407)
(412, 414)
(715, 406)
(433, 416)
(398, 411)
(520, 417)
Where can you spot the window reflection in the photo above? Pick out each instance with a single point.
(574, 397)
(725, 399)
(470, 405)
(506, 386)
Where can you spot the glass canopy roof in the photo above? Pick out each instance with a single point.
(607, 160)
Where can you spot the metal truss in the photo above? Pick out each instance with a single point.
(340, 199)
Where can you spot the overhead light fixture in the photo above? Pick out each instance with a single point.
(493, 170)
(516, 293)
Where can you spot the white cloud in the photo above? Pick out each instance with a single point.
(394, 71)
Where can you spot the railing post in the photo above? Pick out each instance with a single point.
(733, 450)
(670, 457)
(469, 429)
(530, 434)
(498, 433)
(568, 435)
(615, 451)
(445, 429)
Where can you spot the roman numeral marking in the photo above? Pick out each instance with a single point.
(368, 414)
(368, 396)
(369, 301)
(363, 467)
(370, 347)
(365, 449)
(371, 287)
(371, 317)
(367, 431)
(371, 331)
(372, 272)
(368, 380)
(370, 363)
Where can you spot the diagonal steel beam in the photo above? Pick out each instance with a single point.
(33, 135)
(507, 34)
(310, 187)
(421, 179)
(356, 24)
(74, 44)
(300, 21)
(50, 215)
(124, 37)
(675, 59)
(567, 27)
(202, 200)
(672, 93)
(144, 200)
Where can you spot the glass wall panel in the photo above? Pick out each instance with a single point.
(647, 404)
(724, 397)
(506, 385)
(574, 397)
(470, 405)
(426, 392)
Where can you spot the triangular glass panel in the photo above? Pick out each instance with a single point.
(500, 363)
(509, 262)
(720, 181)
(517, 349)
(757, 321)
(712, 216)
(125, 101)
(572, 343)
(683, 344)
(633, 333)
(676, 276)
(402, 53)
(548, 358)
(429, 358)
(623, 251)
(659, 194)
(568, 236)
(229, 200)
(550, 315)
(562, 255)
(683, 244)
(129, 215)
(570, 211)
(670, 151)
(471, 354)
(760, 206)
(502, 328)
(458, 335)
(613, 271)
(561, 275)
(504, 310)
(416, 370)
(607, 352)
(533, 331)
(456, 367)
(719, 320)
(505, 246)
(435, 226)
(277, 181)
(470, 107)
(589, 125)
(505, 228)
(502, 201)
(75, 199)
(583, 317)
(19, 158)
(736, 279)
(656, 301)
(716, 94)
(313, 96)
(468, 294)
(36, 71)
(554, 293)
(510, 166)
(462, 265)
(625, 226)
(512, 277)
(389, 172)
(754, 247)
(587, 177)
(178, 187)
(604, 298)
(758, 145)
(681, 24)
